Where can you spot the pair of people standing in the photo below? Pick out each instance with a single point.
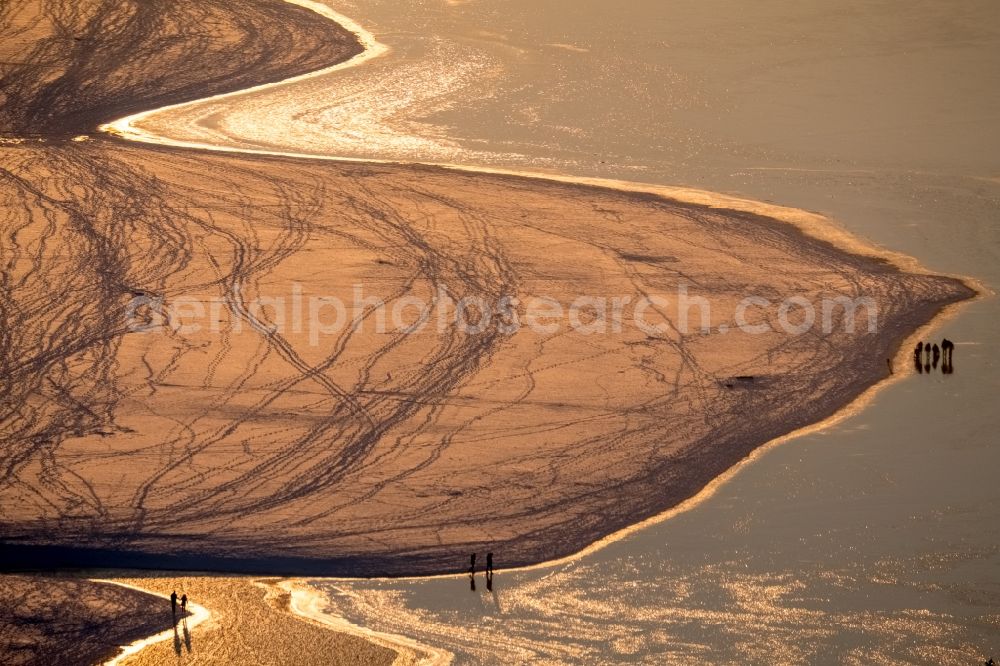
(489, 571)
(489, 564)
(173, 602)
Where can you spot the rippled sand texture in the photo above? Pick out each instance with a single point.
(250, 624)
(59, 620)
(379, 452)
(395, 451)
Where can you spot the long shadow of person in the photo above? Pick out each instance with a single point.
(472, 572)
(177, 641)
(918, 353)
(187, 634)
(937, 356)
(927, 357)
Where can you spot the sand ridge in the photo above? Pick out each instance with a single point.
(258, 447)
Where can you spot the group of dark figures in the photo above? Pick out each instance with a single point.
(489, 572)
(926, 356)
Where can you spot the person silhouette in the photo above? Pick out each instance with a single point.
(947, 351)
(173, 602)
(184, 601)
(489, 563)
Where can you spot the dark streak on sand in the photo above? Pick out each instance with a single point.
(68, 66)
(87, 226)
(46, 620)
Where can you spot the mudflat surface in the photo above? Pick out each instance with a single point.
(873, 540)
(68, 66)
(391, 451)
(250, 623)
(366, 450)
(61, 620)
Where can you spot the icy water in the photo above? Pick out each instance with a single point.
(874, 541)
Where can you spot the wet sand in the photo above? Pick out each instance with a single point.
(368, 454)
(67, 67)
(251, 621)
(870, 541)
(257, 449)
(356, 455)
(49, 619)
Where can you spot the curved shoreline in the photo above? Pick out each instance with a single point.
(813, 224)
(199, 615)
(371, 48)
(309, 605)
(710, 489)
(810, 224)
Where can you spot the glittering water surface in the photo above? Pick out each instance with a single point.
(633, 611)
(869, 543)
(874, 542)
(351, 113)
